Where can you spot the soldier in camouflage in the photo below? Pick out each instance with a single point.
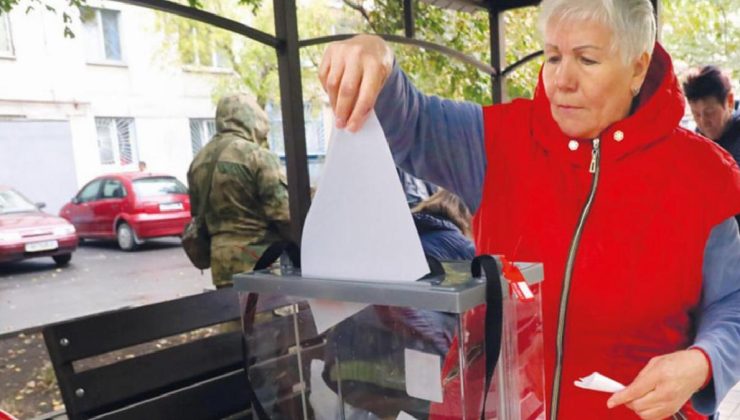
(248, 204)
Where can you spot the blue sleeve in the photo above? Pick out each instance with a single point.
(718, 332)
(437, 140)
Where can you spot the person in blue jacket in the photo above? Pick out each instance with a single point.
(443, 223)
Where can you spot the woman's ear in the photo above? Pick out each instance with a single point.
(639, 71)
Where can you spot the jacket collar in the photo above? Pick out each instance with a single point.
(731, 134)
(657, 111)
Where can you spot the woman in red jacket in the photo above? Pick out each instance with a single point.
(594, 178)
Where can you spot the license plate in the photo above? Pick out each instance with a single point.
(42, 246)
(170, 207)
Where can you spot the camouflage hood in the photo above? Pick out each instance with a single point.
(240, 114)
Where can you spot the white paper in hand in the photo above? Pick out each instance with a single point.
(599, 382)
(359, 226)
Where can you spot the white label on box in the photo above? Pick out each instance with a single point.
(423, 375)
(405, 416)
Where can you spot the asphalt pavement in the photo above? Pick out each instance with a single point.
(99, 278)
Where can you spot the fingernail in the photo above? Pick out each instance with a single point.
(609, 404)
(341, 123)
(352, 127)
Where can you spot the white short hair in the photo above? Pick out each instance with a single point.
(632, 22)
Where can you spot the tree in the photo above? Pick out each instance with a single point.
(700, 32)
(254, 65)
(438, 74)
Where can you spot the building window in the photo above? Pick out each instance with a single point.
(6, 41)
(102, 34)
(116, 141)
(201, 131)
(198, 48)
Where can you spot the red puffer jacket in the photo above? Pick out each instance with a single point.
(637, 271)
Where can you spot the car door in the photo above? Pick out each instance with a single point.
(108, 206)
(80, 212)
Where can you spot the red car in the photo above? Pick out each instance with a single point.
(129, 207)
(27, 232)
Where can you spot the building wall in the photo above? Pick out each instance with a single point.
(43, 176)
(51, 77)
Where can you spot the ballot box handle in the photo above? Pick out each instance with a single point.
(486, 264)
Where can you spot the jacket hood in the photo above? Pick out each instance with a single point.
(239, 114)
(657, 111)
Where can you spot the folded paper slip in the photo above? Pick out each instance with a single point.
(599, 382)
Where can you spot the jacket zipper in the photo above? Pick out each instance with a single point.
(594, 168)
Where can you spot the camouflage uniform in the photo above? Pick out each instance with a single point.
(248, 205)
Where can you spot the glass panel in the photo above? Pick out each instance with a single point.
(220, 58)
(90, 192)
(196, 136)
(124, 129)
(11, 202)
(154, 186)
(6, 46)
(93, 41)
(185, 45)
(210, 128)
(204, 55)
(110, 34)
(105, 140)
(201, 132)
(113, 189)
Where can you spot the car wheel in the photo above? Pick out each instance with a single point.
(62, 260)
(126, 237)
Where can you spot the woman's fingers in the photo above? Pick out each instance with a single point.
(353, 72)
(367, 94)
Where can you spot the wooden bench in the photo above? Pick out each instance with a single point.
(203, 378)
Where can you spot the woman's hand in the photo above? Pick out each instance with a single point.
(664, 384)
(353, 73)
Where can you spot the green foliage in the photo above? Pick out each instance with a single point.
(695, 32)
(438, 74)
(700, 32)
(254, 65)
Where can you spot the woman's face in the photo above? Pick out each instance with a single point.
(588, 84)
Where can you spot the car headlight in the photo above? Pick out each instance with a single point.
(10, 236)
(64, 230)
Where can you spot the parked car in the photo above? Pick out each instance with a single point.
(28, 232)
(130, 208)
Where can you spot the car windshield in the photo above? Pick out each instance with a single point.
(12, 202)
(150, 187)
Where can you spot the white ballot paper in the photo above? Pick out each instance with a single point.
(599, 382)
(359, 226)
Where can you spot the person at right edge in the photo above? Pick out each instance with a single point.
(247, 208)
(712, 104)
(631, 214)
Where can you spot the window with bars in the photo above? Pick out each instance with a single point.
(116, 141)
(201, 131)
(6, 40)
(102, 35)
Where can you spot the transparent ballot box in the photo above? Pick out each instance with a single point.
(345, 349)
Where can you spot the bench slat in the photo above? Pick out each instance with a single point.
(100, 334)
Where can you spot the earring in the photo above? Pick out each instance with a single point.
(635, 91)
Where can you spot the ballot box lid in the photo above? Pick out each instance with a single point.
(455, 292)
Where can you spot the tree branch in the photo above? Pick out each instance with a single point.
(359, 8)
